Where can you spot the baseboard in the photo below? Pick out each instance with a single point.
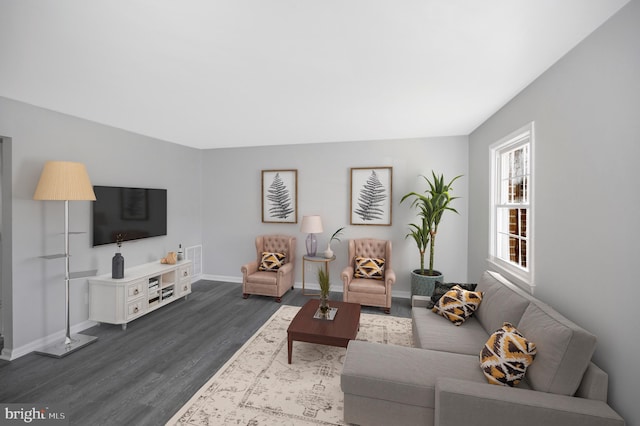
(223, 278)
(11, 354)
(307, 286)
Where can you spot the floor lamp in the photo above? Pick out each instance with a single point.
(65, 181)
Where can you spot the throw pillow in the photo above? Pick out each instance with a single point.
(271, 262)
(367, 267)
(458, 304)
(506, 355)
(441, 288)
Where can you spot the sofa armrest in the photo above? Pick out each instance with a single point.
(249, 268)
(389, 277)
(347, 275)
(285, 269)
(419, 301)
(460, 402)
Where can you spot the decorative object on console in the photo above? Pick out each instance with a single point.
(170, 259)
(431, 205)
(280, 196)
(117, 262)
(328, 253)
(180, 253)
(505, 357)
(458, 304)
(311, 225)
(371, 190)
(66, 181)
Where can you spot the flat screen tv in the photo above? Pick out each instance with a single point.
(134, 213)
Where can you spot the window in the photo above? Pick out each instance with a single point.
(511, 248)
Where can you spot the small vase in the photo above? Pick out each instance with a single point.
(117, 266)
(328, 253)
(324, 305)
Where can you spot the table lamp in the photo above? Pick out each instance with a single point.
(311, 225)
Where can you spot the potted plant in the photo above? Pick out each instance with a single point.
(328, 253)
(431, 205)
(325, 286)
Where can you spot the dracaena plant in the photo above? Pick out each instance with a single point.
(325, 283)
(431, 206)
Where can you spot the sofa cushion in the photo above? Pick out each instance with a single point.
(271, 261)
(400, 374)
(502, 302)
(368, 267)
(440, 289)
(458, 304)
(564, 350)
(436, 333)
(506, 355)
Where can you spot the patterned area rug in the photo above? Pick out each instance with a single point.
(258, 387)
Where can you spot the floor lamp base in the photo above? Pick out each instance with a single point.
(61, 349)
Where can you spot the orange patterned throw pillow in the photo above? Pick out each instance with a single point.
(367, 267)
(458, 304)
(271, 262)
(506, 355)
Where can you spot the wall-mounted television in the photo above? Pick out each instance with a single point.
(134, 213)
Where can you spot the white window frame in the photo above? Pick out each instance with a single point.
(524, 277)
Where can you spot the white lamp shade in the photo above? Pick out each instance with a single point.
(64, 180)
(311, 224)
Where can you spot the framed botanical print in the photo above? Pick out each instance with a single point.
(280, 196)
(371, 195)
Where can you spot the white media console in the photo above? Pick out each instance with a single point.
(143, 289)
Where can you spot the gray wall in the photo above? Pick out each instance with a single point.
(112, 157)
(586, 110)
(214, 199)
(232, 202)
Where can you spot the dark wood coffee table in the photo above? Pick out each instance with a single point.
(337, 332)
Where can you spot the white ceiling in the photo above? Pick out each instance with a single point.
(213, 73)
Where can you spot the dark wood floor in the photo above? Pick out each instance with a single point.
(143, 375)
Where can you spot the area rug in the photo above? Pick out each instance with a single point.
(258, 387)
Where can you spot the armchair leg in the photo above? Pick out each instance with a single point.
(387, 311)
(278, 299)
(245, 295)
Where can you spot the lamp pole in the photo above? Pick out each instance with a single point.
(67, 339)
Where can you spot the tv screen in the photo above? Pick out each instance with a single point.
(133, 213)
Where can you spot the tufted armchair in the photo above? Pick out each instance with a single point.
(268, 282)
(368, 291)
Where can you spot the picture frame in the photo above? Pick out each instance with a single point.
(371, 195)
(280, 196)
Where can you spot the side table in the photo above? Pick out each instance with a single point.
(315, 259)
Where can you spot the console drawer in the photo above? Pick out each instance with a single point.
(135, 290)
(135, 308)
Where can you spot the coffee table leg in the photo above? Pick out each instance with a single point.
(289, 346)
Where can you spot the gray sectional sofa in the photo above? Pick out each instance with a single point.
(440, 382)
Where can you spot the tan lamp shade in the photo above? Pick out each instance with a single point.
(311, 225)
(64, 180)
